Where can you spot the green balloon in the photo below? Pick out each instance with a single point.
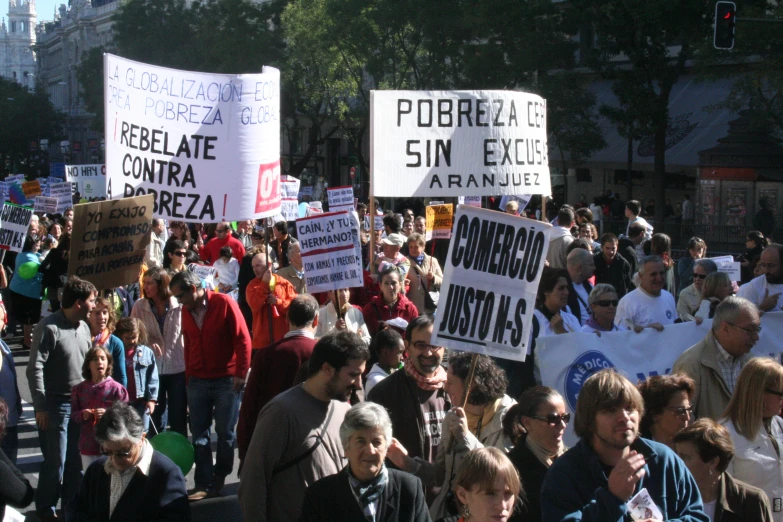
(176, 447)
(28, 270)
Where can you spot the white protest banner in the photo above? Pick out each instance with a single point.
(340, 198)
(331, 251)
(15, 177)
(566, 361)
(728, 265)
(63, 204)
(439, 221)
(78, 173)
(110, 240)
(57, 190)
(289, 191)
(315, 207)
(491, 278)
(206, 146)
(523, 200)
(46, 204)
(206, 273)
(473, 201)
(14, 222)
(458, 143)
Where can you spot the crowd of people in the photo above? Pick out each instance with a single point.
(339, 406)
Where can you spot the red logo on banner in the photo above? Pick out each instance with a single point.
(268, 193)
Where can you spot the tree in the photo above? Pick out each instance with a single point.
(651, 43)
(28, 117)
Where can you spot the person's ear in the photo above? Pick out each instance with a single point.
(327, 369)
(462, 494)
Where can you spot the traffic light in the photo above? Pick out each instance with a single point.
(725, 23)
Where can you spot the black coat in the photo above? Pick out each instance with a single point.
(331, 499)
(15, 489)
(618, 274)
(627, 249)
(158, 496)
(531, 473)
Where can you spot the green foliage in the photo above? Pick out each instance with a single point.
(28, 117)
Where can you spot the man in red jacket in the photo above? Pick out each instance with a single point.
(276, 367)
(217, 359)
(211, 251)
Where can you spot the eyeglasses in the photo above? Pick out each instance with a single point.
(422, 346)
(607, 302)
(180, 253)
(750, 330)
(126, 454)
(554, 419)
(700, 276)
(773, 392)
(681, 411)
(765, 266)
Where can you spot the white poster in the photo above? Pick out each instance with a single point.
(45, 204)
(289, 192)
(340, 198)
(331, 251)
(523, 201)
(458, 143)
(566, 361)
(728, 265)
(14, 222)
(473, 201)
(206, 273)
(88, 179)
(490, 282)
(206, 146)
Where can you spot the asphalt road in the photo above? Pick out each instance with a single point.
(224, 508)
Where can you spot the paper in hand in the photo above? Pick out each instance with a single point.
(642, 507)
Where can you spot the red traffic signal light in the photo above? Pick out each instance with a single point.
(725, 24)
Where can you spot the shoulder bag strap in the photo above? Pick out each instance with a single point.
(318, 440)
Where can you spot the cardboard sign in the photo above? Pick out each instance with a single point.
(439, 220)
(14, 222)
(490, 282)
(46, 204)
(289, 189)
(340, 198)
(458, 143)
(110, 239)
(206, 146)
(331, 251)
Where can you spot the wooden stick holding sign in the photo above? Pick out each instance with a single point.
(469, 380)
(337, 305)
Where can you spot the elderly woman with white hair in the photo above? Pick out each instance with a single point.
(366, 489)
(131, 481)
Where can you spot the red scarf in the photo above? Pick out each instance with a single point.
(426, 383)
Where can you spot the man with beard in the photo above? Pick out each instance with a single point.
(599, 478)
(649, 306)
(766, 291)
(297, 436)
(415, 397)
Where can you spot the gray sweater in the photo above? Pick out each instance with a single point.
(56, 358)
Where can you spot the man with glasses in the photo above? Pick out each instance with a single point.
(131, 481)
(649, 306)
(715, 362)
(415, 398)
(210, 252)
(604, 476)
(217, 359)
(766, 290)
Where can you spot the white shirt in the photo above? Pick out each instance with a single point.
(616, 328)
(638, 308)
(648, 232)
(755, 289)
(376, 375)
(354, 322)
(227, 272)
(709, 507)
(582, 297)
(687, 212)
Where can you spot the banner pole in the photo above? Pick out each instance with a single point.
(371, 255)
(543, 209)
(271, 288)
(337, 305)
(469, 380)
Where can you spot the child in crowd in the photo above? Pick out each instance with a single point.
(90, 398)
(227, 270)
(388, 347)
(140, 366)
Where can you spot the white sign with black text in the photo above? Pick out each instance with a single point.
(331, 251)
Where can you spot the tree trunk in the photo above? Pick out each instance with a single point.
(660, 171)
(629, 179)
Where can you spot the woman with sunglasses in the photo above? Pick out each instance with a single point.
(691, 296)
(154, 485)
(667, 406)
(752, 418)
(603, 309)
(478, 425)
(174, 254)
(536, 425)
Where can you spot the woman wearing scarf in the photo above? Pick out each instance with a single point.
(424, 275)
(603, 308)
(536, 425)
(366, 489)
(101, 321)
(478, 425)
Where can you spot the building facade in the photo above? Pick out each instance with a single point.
(17, 41)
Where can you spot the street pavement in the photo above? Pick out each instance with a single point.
(224, 508)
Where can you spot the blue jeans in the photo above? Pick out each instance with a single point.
(140, 405)
(10, 443)
(204, 397)
(172, 404)
(61, 468)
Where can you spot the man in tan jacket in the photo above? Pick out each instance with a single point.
(715, 362)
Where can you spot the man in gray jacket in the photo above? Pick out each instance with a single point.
(560, 238)
(60, 342)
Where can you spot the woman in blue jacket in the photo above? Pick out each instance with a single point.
(26, 288)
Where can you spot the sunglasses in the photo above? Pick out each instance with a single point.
(554, 419)
(607, 302)
(118, 454)
(179, 253)
(681, 411)
(700, 276)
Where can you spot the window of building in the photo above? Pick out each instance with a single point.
(621, 178)
(13, 27)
